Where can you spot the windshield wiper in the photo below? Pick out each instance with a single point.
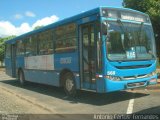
(140, 34)
(125, 31)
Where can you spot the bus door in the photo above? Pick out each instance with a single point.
(87, 55)
(13, 60)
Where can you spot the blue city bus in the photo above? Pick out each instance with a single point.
(102, 50)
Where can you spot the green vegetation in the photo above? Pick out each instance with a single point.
(2, 46)
(152, 8)
(37, 27)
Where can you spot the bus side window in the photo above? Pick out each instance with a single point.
(59, 36)
(41, 44)
(65, 38)
(31, 46)
(8, 51)
(34, 45)
(46, 43)
(28, 47)
(20, 48)
(50, 42)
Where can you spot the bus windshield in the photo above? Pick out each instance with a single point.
(129, 41)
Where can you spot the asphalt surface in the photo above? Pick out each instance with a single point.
(10, 104)
(52, 100)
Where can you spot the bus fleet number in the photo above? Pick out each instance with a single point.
(67, 60)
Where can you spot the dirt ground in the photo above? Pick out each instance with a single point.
(2, 69)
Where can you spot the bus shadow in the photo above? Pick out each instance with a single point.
(153, 110)
(81, 97)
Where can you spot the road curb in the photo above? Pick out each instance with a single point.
(34, 102)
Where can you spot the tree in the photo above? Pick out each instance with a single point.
(152, 8)
(37, 27)
(2, 46)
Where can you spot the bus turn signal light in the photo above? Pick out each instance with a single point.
(153, 80)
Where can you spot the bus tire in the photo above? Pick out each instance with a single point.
(69, 84)
(21, 77)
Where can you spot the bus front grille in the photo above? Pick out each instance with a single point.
(134, 77)
(133, 67)
(137, 84)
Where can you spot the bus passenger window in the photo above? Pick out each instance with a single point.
(20, 48)
(50, 42)
(31, 46)
(46, 43)
(28, 47)
(8, 51)
(65, 38)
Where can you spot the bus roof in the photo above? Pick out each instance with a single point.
(68, 20)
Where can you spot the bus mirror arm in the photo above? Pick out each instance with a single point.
(105, 25)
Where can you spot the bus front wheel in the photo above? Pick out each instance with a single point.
(21, 77)
(69, 84)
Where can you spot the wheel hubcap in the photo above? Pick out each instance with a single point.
(69, 84)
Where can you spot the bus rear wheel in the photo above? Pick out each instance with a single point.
(69, 84)
(21, 77)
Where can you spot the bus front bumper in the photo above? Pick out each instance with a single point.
(111, 85)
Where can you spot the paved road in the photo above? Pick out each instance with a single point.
(51, 99)
(11, 104)
(56, 101)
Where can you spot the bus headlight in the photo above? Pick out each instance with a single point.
(114, 78)
(152, 74)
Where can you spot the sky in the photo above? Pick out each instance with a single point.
(21, 16)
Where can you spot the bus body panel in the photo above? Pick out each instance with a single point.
(20, 64)
(47, 77)
(33, 71)
(8, 66)
(68, 61)
(100, 83)
(89, 86)
(147, 68)
(42, 76)
(10, 60)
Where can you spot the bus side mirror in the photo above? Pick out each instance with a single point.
(104, 28)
